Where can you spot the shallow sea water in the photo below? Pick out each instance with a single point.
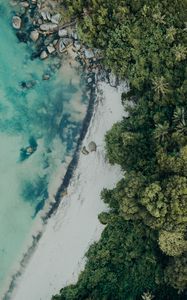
(51, 112)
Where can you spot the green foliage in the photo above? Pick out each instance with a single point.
(172, 243)
(176, 273)
(122, 265)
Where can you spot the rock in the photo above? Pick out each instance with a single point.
(24, 4)
(46, 77)
(44, 15)
(28, 84)
(51, 49)
(48, 15)
(16, 22)
(62, 33)
(48, 40)
(77, 45)
(92, 146)
(48, 27)
(61, 46)
(55, 42)
(88, 53)
(67, 41)
(34, 35)
(43, 55)
(89, 80)
(39, 21)
(74, 36)
(56, 19)
(112, 80)
(33, 1)
(85, 151)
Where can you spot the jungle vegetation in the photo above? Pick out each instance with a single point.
(143, 249)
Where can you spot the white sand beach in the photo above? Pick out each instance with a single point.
(59, 256)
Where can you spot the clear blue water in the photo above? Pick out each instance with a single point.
(51, 112)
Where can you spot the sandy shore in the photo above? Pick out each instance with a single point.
(59, 256)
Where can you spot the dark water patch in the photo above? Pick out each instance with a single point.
(35, 190)
(73, 164)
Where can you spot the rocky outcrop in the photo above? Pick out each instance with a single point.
(37, 21)
(16, 22)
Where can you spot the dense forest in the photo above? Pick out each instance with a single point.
(142, 253)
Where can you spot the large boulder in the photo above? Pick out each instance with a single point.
(92, 146)
(44, 15)
(24, 4)
(88, 53)
(77, 45)
(62, 33)
(48, 27)
(34, 35)
(74, 35)
(56, 19)
(61, 46)
(51, 49)
(43, 55)
(67, 41)
(112, 80)
(16, 22)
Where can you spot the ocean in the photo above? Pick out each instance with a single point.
(40, 121)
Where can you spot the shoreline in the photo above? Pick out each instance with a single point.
(53, 205)
(17, 280)
(74, 161)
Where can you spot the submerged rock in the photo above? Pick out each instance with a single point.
(46, 77)
(28, 84)
(29, 150)
(16, 22)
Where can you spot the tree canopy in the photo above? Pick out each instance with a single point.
(143, 247)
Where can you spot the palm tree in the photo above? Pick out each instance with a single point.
(147, 296)
(179, 120)
(158, 17)
(160, 85)
(171, 32)
(161, 132)
(180, 52)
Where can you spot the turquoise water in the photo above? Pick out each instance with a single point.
(50, 112)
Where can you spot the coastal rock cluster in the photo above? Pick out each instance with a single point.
(40, 24)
